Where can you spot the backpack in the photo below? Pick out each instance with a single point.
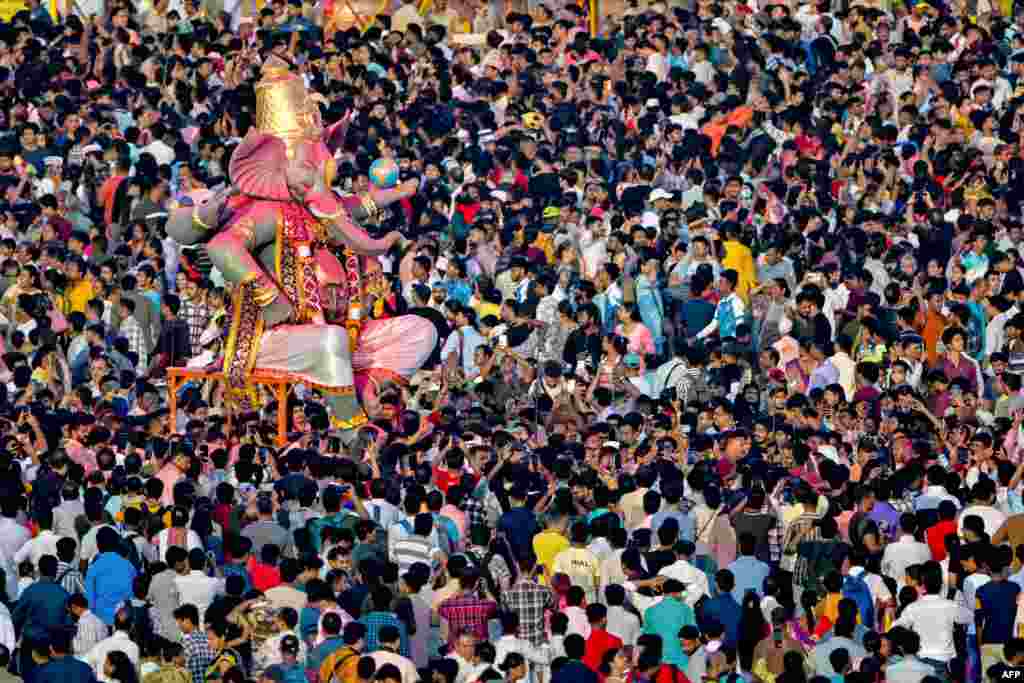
(142, 625)
(381, 545)
(129, 550)
(332, 664)
(855, 588)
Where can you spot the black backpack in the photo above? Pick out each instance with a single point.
(142, 631)
(130, 551)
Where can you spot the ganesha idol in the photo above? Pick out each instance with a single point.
(276, 233)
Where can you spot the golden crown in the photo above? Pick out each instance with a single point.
(284, 107)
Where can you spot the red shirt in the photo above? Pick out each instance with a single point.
(599, 642)
(444, 479)
(264, 576)
(936, 538)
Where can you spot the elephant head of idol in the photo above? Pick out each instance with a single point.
(288, 155)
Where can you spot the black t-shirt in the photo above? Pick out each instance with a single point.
(822, 329)
(659, 559)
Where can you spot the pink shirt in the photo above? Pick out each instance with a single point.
(169, 474)
(457, 516)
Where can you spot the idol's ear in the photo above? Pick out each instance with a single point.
(259, 167)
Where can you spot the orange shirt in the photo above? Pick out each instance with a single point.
(107, 192)
(740, 117)
(934, 324)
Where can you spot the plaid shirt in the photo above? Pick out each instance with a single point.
(198, 654)
(196, 315)
(374, 622)
(801, 529)
(467, 613)
(132, 331)
(476, 515)
(529, 600)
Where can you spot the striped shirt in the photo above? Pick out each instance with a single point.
(412, 549)
(70, 578)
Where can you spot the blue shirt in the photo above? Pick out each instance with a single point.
(998, 610)
(726, 611)
(309, 623)
(750, 574)
(458, 290)
(687, 527)
(66, 669)
(520, 526)
(41, 607)
(108, 583)
(574, 671)
(374, 622)
(235, 569)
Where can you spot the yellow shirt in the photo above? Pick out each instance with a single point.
(484, 309)
(739, 258)
(79, 294)
(546, 545)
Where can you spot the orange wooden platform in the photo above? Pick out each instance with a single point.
(279, 384)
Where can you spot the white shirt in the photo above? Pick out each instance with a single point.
(90, 632)
(901, 554)
(163, 542)
(578, 622)
(404, 664)
(846, 367)
(623, 624)
(533, 655)
(88, 550)
(160, 151)
(64, 516)
(198, 589)
(876, 584)
(11, 574)
(992, 518)
(90, 8)
(43, 544)
(695, 580)
(98, 654)
(12, 536)
(383, 513)
(7, 637)
(970, 595)
(270, 652)
(932, 617)
(467, 670)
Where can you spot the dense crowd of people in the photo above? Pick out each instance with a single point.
(728, 382)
